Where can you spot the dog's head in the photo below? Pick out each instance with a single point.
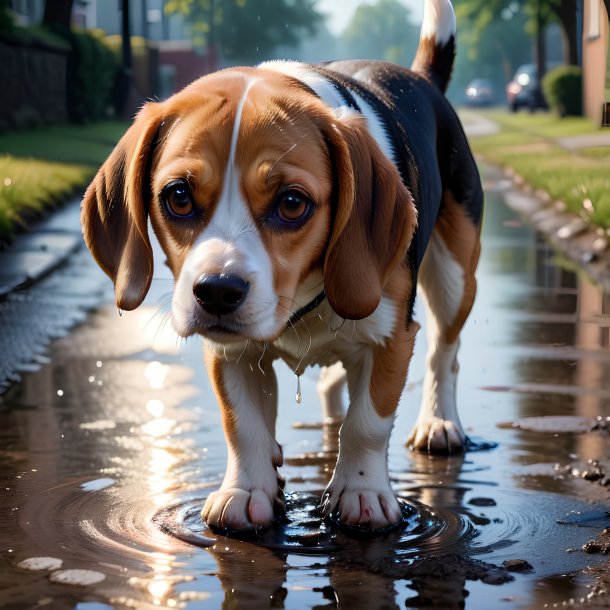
(251, 184)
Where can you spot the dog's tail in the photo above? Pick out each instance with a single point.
(436, 49)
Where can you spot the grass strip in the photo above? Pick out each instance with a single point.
(526, 144)
(41, 168)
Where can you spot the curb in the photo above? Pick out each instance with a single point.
(46, 246)
(579, 240)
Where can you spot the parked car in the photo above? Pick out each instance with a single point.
(480, 92)
(523, 91)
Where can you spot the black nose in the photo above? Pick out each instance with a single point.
(220, 294)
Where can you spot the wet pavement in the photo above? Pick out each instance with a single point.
(108, 450)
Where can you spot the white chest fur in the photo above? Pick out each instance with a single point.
(322, 337)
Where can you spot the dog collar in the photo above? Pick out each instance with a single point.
(297, 315)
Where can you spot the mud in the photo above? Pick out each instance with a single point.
(109, 449)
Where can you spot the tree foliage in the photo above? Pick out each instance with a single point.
(381, 31)
(493, 53)
(58, 12)
(6, 18)
(481, 13)
(247, 30)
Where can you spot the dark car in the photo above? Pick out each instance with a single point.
(480, 92)
(523, 91)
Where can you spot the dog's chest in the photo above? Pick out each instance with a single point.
(323, 338)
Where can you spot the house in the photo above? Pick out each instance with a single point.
(596, 60)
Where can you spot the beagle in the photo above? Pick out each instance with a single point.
(298, 207)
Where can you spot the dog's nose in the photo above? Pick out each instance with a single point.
(220, 294)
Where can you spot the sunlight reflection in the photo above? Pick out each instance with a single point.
(156, 373)
(155, 407)
(159, 427)
(158, 331)
(161, 586)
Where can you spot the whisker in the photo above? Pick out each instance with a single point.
(260, 368)
(246, 344)
(335, 333)
(291, 324)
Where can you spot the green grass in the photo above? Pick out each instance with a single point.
(526, 144)
(41, 168)
(543, 124)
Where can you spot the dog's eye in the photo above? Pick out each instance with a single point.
(177, 198)
(292, 206)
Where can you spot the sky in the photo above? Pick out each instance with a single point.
(341, 11)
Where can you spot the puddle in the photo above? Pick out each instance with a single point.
(109, 450)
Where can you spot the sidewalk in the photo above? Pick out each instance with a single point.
(46, 246)
(48, 283)
(477, 125)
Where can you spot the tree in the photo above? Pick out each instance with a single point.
(381, 31)
(565, 11)
(540, 12)
(247, 30)
(6, 17)
(493, 53)
(58, 12)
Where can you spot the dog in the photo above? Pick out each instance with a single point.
(299, 206)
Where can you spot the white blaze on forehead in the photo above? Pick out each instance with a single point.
(232, 215)
(231, 244)
(439, 21)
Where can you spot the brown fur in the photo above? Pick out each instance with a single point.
(373, 223)
(462, 238)
(391, 361)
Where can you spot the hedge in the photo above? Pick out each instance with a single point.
(92, 69)
(563, 90)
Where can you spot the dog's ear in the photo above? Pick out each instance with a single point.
(114, 211)
(373, 220)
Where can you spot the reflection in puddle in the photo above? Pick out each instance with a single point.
(118, 438)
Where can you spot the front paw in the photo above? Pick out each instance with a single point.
(234, 509)
(366, 507)
(437, 435)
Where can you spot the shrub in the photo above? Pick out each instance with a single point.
(563, 90)
(92, 69)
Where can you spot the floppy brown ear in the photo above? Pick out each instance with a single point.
(374, 220)
(114, 211)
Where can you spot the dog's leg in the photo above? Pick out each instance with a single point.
(448, 285)
(251, 492)
(359, 492)
(330, 390)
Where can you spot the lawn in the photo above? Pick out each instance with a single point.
(527, 144)
(41, 168)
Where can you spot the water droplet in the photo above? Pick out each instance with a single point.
(299, 396)
(60, 392)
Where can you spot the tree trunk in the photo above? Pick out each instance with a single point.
(125, 73)
(539, 55)
(58, 11)
(566, 13)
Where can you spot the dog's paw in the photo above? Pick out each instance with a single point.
(234, 509)
(437, 435)
(364, 508)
